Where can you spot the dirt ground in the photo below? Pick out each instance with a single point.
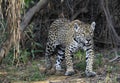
(32, 72)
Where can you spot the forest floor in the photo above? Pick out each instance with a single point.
(31, 72)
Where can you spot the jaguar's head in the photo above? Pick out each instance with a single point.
(83, 32)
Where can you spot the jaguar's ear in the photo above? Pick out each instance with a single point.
(76, 27)
(93, 25)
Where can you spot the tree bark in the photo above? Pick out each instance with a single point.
(5, 46)
(28, 16)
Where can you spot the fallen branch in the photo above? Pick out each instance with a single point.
(116, 56)
(114, 59)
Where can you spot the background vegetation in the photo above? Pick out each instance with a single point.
(24, 25)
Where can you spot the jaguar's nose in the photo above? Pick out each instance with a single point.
(87, 41)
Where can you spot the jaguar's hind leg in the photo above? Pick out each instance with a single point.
(49, 50)
(60, 58)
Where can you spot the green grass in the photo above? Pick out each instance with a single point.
(22, 58)
(98, 61)
(29, 72)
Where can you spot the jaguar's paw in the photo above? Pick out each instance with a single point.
(69, 73)
(90, 73)
(59, 70)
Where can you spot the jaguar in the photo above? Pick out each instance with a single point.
(70, 36)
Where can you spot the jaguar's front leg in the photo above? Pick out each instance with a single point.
(69, 63)
(89, 62)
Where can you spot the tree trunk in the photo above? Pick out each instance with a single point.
(5, 46)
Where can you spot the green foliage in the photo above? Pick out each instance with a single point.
(29, 72)
(3, 33)
(118, 53)
(33, 46)
(81, 65)
(29, 49)
(34, 50)
(8, 59)
(36, 76)
(28, 2)
(98, 60)
(22, 58)
(109, 69)
(80, 56)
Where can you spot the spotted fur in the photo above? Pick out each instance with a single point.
(70, 36)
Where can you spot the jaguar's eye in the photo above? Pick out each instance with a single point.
(83, 34)
(91, 33)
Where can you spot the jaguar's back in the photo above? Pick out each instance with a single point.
(58, 30)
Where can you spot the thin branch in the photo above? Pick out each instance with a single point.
(113, 33)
